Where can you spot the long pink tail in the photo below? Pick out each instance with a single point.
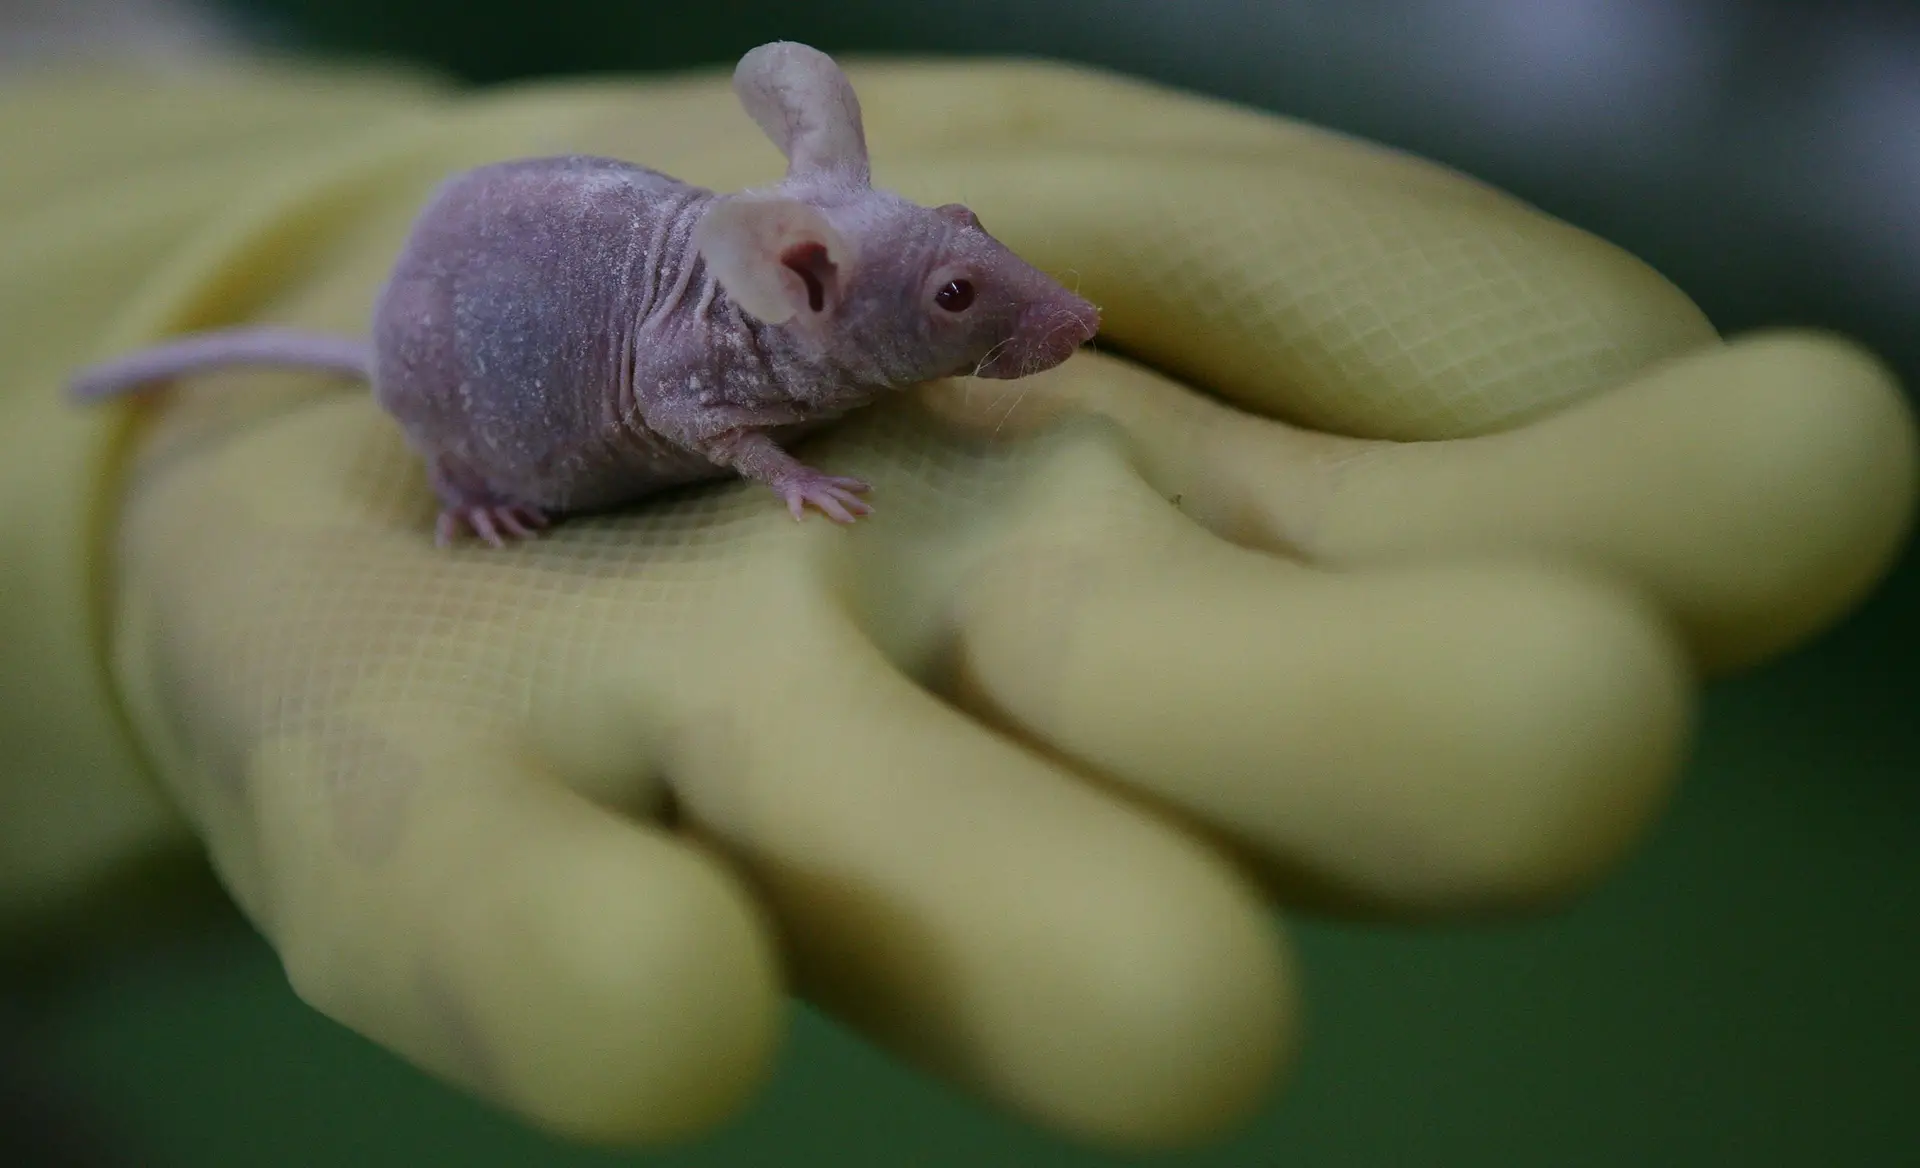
(267, 345)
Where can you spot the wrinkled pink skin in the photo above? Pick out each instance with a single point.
(552, 341)
(550, 338)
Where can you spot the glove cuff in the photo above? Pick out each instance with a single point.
(107, 200)
(78, 805)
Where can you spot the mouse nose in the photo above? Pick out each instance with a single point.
(1047, 333)
(1064, 318)
(1055, 327)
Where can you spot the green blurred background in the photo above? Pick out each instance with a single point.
(1746, 992)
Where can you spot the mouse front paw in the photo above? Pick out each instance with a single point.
(835, 497)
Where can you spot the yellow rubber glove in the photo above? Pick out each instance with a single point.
(1009, 774)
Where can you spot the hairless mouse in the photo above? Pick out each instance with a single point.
(569, 334)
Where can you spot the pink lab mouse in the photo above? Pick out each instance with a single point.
(571, 334)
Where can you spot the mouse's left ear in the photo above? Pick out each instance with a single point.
(807, 106)
(777, 258)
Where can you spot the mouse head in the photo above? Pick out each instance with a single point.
(872, 281)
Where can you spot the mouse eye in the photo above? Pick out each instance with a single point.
(955, 296)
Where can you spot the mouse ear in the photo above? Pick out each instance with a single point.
(807, 106)
(777, 258)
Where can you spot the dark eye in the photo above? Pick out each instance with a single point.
(955, 296)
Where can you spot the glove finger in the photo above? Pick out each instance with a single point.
(981, 912)
(1431, 739)
(600, 977)
(1758, 490)
(1755, 490)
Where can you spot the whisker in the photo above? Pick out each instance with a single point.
(1008, 416)
(990, 355)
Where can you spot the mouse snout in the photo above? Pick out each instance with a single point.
(1046, 333)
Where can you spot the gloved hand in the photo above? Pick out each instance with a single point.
(1377, 577)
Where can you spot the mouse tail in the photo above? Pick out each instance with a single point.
(265, 345)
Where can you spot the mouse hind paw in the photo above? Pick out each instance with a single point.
(467, 506)
(496, 523)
